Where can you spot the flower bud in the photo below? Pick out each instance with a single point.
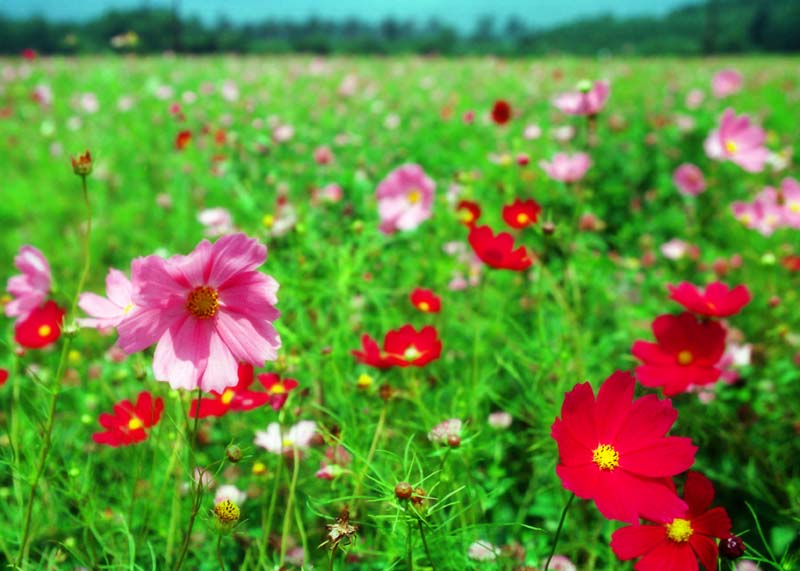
(234, 453)
(403, 491)
(226, 512)
(732, 548)
(82, 164)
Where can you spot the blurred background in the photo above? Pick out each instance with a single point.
(432, 27)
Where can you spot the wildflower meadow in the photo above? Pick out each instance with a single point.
(407, 313)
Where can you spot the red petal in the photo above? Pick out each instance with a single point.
(706, 550)
(663, 458)
(636, 540)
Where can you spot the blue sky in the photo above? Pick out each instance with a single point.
(461, 13)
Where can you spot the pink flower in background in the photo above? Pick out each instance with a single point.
(278, 441)
(405, 198)
(107, 312)
(30, 288)
(567, 168)
(230, 492)
(726, 82)
(323, 155)
(689, 179)
(217, 221)
(695, 98)
(589, 99)
(446, 430)
(739, 141)
(764, 215)
(206, 311)
(790, 196)
(328, 193)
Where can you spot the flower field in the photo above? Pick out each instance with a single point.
(399, 313)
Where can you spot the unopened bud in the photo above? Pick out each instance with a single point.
(548, 228)
(454, 441)
(234, 453)
(403, 491)
(82, 164)
(732, 548)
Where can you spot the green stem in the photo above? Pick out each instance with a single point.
(372, 448)
(287, 517)
(266, 523)
(425, 545)
(197, 487)
(44, 451)
(409, 551)
(330, 559)
(219, 553)
(558, 531)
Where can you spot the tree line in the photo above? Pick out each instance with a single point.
(715, 26)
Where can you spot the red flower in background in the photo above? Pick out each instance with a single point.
(3, 376)
(468, 212)
(238, 397)
(426, 301)
(278, 389)
(791, 263)
(128, 423)
(401, 347)
(521, 214)
(501, 112)
(498, 251)
(41, 328)
(183, 139)
(613, 450)
(686, 353)
(30, 54)
(677, 543)
(718, 300)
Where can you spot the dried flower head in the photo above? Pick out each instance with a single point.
(342, 532)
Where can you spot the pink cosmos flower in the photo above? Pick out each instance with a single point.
(31, 287)
(765, 214)
(695, 98)
(726, 82)
(207, 312)
(589, 99)
(790, 196)
(689, 179)
(217, 221)
(405, 198)
(445, 430)
(276, 440)
(108, 312)
(567, 168)
(739, 141)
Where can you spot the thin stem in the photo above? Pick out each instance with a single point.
(44, 451)
(266, 523)
(409, 550)
(558, 531)
(372, 448)
(425, 544)
(197, 487)
(330, 559)
(287, 517)
(219, 553)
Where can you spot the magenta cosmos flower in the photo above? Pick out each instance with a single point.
(405, 198)
(108, 312)
(589, 99)
(689, 179)
(613, 450)
(726, 82)
(739, 141)
(30, 288)
(207, 312)
(567, 168)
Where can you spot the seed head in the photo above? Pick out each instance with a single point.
(82, 164)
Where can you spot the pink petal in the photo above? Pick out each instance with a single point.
(232, 255)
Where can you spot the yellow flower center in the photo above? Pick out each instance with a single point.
(127, 309)
(685, 357)
(135, 424)
(203, 302)
(606, 457)
(277, 389)
(44, 330)
(731, 146)
(414, 196)
(268, 220)
(227, 396)
(411, 353)
(522, 218)
(226, 511)
(424, 306)
(364, 381)
(794, 207)
(680, 530)
(745, 219)
(466, 216)
(287, 443)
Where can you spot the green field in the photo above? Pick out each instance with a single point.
(511, 341)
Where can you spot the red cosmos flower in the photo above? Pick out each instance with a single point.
(686, 353)
(615, 451)
(501, 112)
(183, 139)
(237, 397)
(401, 348)
(498, 251)
(520, 214)
(718, 300)
(791, 263)
(30, 54)
(127, 424)
(3, 376)
(676, 543)
(425, 300)
(468, 212)
(41, 328)
(278, 389)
